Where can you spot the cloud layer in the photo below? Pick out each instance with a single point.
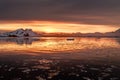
(101, 12)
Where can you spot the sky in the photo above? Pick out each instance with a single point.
(60, 15)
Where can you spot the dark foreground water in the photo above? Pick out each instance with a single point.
(51, 58)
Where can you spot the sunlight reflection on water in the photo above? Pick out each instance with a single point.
(79, 48)
(52, 44)
(56, 58)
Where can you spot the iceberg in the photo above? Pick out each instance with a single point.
(20, 33)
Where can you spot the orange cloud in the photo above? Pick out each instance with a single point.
(49, 26)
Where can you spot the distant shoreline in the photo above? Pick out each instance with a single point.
(30, 33)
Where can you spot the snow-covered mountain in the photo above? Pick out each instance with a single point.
(20, 33)
(117, 31)
(30, 33)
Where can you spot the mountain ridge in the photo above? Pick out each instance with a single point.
(29, 33)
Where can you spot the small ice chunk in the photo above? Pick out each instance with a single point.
(96, 69)
(105, 74)
(80, 66)
(26, 71)
(86, 78)
(39, 78)
(10, 68)
(113, 66)
(108, 70)
(115, 78)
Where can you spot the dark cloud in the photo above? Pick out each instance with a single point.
(104, 12)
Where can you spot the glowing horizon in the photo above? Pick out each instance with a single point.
(53, 27)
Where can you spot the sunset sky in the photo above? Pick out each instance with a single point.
(60, 15)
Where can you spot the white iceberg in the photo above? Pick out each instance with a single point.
(20, 33)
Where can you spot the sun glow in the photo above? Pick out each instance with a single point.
(49, 27)
(49, 30)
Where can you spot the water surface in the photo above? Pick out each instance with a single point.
(56, 58)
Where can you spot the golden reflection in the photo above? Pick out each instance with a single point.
(53, 45)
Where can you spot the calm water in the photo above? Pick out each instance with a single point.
(56, 58)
